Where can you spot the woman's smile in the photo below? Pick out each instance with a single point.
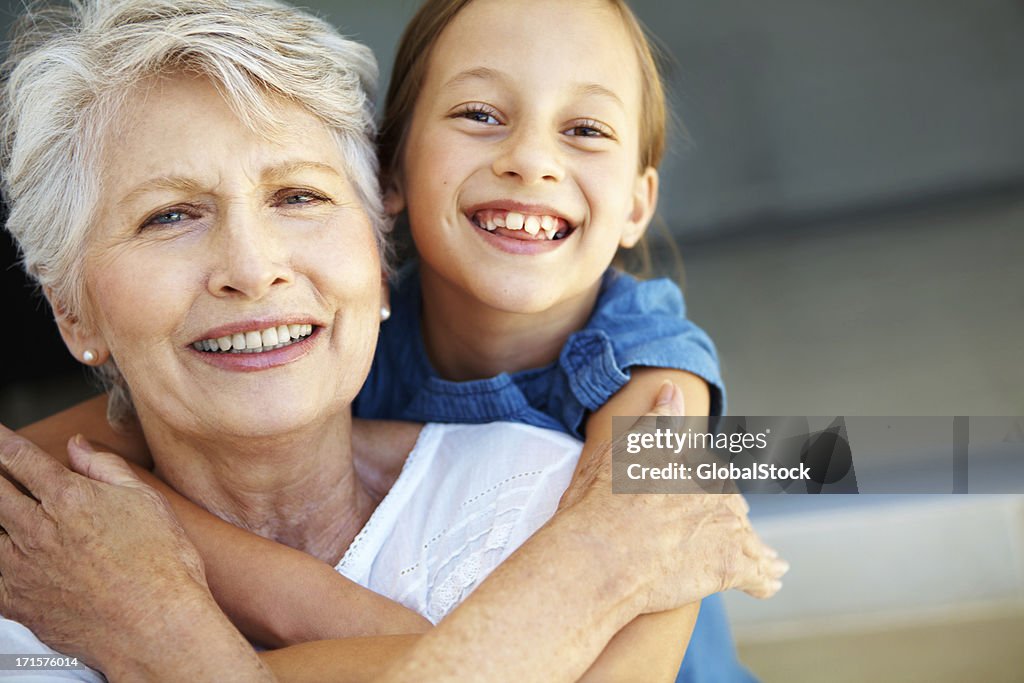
(231, 265)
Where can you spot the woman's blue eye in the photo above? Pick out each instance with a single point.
(167, 218)
(300, 199)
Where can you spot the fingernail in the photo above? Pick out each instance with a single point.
(782, 565)
(81, 443)
(772, 553)
(776, 585)
(667, 393)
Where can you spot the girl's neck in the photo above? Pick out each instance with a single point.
(466, 339)
(298, 489)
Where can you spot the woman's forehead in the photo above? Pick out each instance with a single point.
(182, 123)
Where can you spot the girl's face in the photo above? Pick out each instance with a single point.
(520, 168)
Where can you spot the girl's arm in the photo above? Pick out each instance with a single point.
(274, 594)
(495, 634)
(567, 604)
(650, 648)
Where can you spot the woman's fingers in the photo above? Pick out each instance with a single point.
(668, 403)
(29, 465)
(105, 467)
(763, 568)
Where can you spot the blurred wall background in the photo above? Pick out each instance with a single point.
(849, 203)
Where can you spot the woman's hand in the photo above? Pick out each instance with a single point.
(97, 566)
(683, 547)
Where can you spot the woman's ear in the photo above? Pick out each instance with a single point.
(645, 201)
(385, 297)
(82, 341)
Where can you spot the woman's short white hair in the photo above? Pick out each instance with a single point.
(69, 70)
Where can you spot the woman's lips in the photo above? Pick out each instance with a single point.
(261, 357)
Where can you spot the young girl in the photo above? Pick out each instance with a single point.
(522, 139)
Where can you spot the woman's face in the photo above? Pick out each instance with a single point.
(209, 236)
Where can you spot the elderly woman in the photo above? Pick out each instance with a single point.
(181, 173)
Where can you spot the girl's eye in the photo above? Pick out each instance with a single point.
(478, 114)
(589, 129)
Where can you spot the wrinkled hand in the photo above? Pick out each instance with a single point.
(682, 547)
(89, 563)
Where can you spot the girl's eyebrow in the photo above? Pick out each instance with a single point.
(480, 72)
(488, 74)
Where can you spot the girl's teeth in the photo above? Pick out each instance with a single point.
(256, 341)
(514, 221)
(492, 219)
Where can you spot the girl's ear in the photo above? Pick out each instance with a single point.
(394, 198)
(82, 341)
(645, 201)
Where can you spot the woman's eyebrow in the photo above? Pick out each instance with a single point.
(287, 169)
(166, 182)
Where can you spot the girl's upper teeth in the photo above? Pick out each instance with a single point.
(492, 219)
(256, 341)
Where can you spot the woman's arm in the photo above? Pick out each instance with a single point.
(495, 635)
(274, 594)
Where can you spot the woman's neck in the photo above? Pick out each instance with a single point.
(299, 489)
(467, 339)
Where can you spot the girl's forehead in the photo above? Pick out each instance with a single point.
(582, 42)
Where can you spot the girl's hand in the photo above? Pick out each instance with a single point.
(98, 567)
(682, 547)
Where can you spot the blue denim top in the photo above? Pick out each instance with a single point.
(634, 323)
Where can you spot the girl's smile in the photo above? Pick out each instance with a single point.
(520, 171)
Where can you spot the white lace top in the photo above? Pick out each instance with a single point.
(467, 497)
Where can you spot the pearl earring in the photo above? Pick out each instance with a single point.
(89, 356)
(385, 313)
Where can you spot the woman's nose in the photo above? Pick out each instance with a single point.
(531, 155)
(250, 257)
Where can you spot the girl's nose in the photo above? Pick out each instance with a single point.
(531, 155)
(250, 256)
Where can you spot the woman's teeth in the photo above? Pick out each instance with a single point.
(255, 341)
(552, 227)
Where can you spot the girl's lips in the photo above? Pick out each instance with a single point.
(264, 360)
(512, 242)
